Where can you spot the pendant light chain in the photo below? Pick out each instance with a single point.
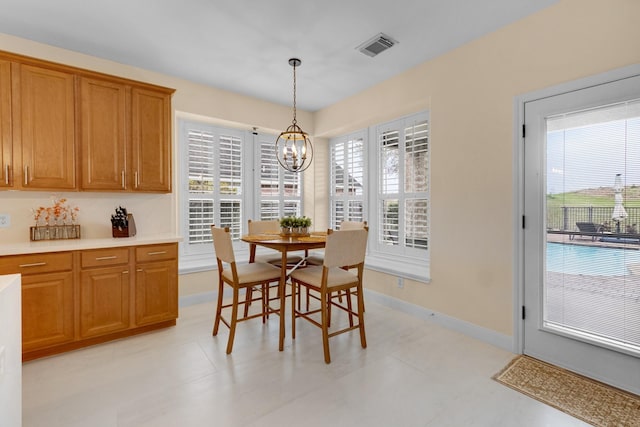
(295, 121)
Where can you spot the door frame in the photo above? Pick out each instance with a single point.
(518, 180)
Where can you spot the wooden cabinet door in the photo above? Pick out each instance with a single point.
(46, 128)
(151, 140)
(47, 310)
(104, 301)
(156, 292)
(6, 138)
(103, 134)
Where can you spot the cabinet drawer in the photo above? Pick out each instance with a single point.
(156, 252)
(104, 257)
(36, 263)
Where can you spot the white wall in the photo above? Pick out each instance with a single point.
(10, 351)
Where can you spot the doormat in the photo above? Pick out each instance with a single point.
(581, 397)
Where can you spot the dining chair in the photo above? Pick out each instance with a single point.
(244, 276)
(343, 247)
(318, 258)
(268, 227)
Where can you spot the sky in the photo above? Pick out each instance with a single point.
(590, 156)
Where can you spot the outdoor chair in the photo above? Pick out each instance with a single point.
(344, 247)
(246, 276)
(589, 229)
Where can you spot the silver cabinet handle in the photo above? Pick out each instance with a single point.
(102, 258)
(125, 272)
(139, 269)
(26, 175)
(35, 264)
(123, 184)
(157, 253)
(135, 175)
(6, 174)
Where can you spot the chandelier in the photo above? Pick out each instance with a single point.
(293, 147)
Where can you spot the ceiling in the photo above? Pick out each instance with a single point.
(244, 45)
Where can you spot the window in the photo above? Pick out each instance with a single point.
(280, 191)
(400, 198)
(347, 167)
(212, 182)
(227, 177)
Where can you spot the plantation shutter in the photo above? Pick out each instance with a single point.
(230, 178)
(416, 185)
(389, 143)
(201, 185)
(347, 179)
(280, 191)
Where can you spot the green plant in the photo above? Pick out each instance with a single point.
(287, 221)
(294, 221)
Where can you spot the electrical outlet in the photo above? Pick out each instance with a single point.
(400, 282)
(5, 220)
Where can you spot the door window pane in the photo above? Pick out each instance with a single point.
(592, 286)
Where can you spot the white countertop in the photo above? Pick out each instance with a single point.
(80, 244)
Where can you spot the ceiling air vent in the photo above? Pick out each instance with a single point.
(377, 44)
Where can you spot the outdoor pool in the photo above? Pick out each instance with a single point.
(590, 260)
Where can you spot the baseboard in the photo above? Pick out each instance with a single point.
(488, 336)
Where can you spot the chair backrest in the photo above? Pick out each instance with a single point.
(259, 227)
(353, 225)
(345, 247)
(588, 227)
(222, 244)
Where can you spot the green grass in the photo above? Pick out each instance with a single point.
(600, 197)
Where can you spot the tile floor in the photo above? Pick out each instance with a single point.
(413, 373)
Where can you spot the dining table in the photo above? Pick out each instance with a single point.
(285, 244)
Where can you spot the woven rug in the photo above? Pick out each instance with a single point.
(583, 398)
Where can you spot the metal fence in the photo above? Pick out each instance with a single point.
(565, 218)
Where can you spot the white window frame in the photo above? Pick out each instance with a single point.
(397, 259)
(345, 197)
(199, 256)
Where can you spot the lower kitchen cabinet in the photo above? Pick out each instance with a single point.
(47, 310)
(74, 299)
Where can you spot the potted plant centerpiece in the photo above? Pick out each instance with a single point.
(303, 225)
(295, 226)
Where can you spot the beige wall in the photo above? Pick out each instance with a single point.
(470, 94)
(154, 213)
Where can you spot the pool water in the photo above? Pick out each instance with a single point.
(590, 260)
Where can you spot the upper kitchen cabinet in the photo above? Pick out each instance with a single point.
(6, 149)
(125, 137)
(43, 128)
(103, 134)
(150, 132)
(64, 128)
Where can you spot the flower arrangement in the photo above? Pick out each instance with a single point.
(61, 213)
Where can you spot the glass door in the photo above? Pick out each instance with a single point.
(582, 239)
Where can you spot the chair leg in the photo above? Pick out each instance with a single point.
(363, 337)
(265, 301)
(325, 326)
(247, 303)
(216, 323)
(294, 287)
(349, 307)
(234, 320)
